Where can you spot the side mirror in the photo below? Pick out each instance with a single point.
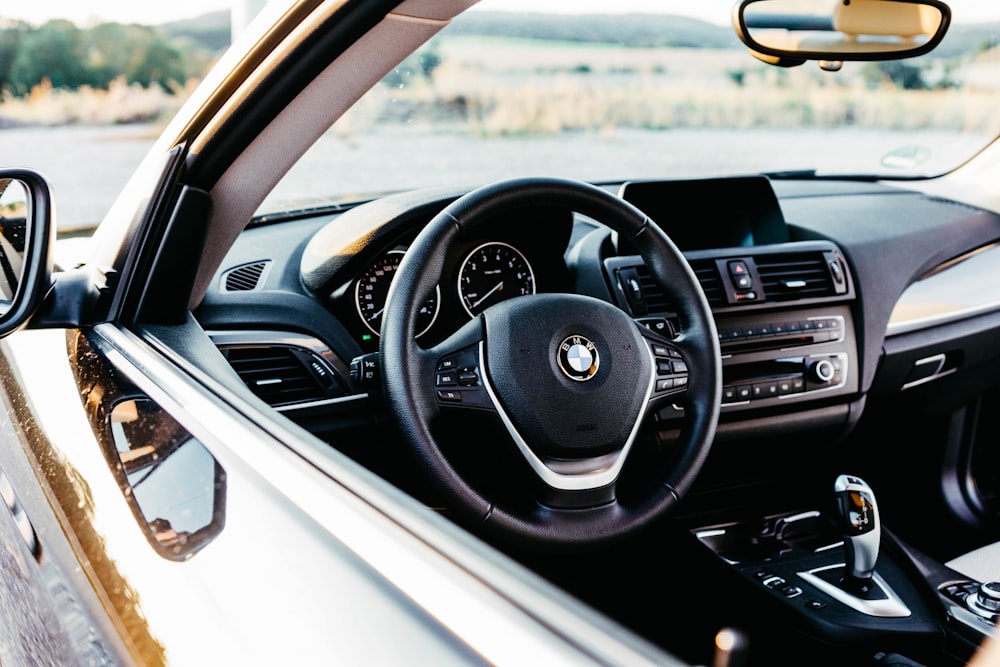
(26, 231)
(789, 32)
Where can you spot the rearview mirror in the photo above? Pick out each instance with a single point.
(789, 32)
(25, 252)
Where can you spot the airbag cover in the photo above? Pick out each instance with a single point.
(558, 416)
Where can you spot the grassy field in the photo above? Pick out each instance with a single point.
(488, 88)
(120, 104)
(551, 87)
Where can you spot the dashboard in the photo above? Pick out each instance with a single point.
(803, 277)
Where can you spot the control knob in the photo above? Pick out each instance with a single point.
(986, 600)
(822, 371)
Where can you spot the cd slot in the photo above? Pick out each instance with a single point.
(773, 335)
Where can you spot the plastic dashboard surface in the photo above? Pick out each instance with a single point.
(812, 335)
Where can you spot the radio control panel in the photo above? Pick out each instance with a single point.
(773, 358)
(776, 359)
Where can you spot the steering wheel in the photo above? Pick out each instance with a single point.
(572, 378)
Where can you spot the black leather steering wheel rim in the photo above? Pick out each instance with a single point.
(406, 367)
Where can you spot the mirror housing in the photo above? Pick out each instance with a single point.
(26, 233)
(790, 32)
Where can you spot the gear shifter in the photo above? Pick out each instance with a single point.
(859, 524)
(856, 583)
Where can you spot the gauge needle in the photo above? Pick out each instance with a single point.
(498, 286)
(375, 316)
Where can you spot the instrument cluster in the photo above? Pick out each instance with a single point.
(522, 259)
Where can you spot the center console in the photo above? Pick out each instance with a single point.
(839, 578)
(791, 341)
(782, 307)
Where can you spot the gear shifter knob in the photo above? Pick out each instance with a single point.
(860, 526)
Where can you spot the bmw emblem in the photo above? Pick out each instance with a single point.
(578, 358)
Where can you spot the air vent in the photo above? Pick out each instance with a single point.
(707, 275)
(283, 375)
(793, 276)
(711, 283)
(656, 300)
(245, 278)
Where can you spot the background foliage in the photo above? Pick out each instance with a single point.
(61, 55)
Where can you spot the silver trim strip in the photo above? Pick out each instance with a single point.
(810, 514)
(891, 607)
(577, 475)
(702, 534)
(329, 402)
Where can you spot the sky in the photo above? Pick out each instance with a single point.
(151, 13)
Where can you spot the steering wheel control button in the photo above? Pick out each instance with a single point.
(578, 358)
(671, 369)
(457, 381)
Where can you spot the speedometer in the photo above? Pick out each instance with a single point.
(492, 273)
(372, 288)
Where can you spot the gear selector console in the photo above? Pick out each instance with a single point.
(855, 582)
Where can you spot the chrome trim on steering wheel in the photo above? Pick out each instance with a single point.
(582, 475)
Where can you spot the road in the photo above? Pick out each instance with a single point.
(86, 166)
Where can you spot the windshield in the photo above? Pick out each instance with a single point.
(662, 90)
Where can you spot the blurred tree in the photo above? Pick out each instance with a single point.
(112, 50)
(55, 52)
(11, 36)
(136, 52)
(161, 63)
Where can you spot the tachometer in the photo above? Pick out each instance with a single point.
(492, 273)
(372, 288)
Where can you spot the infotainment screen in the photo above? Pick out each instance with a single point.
(733, 212)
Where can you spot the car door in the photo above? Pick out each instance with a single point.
(189, 522)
